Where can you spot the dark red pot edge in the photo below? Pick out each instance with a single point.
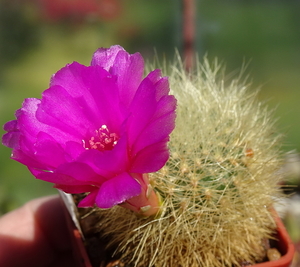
(79, 252)
(285, 246)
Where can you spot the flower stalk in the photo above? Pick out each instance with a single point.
(148, 202)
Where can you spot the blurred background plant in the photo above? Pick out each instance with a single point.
(38, 37)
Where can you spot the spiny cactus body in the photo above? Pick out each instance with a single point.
(217, 187)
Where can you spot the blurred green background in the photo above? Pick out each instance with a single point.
(38, 37)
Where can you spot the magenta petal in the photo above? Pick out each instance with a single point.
(26, 117)
(45, 153)
(166, 105)
(30, 125)
(89, 200)
(117, 190)
(11, 139)
(105, 57)
(80, 172)
(69, 174)
(58, 178)
(161, 83)
(107, 96)
(127, 68)
(73, 150)
(74, 189)
(71, 78)
(151, 158)
(92, 157)
(47, 150)
(11, 126)
(68, 117)
(95, 91)
(77, 80)
(155, 131)
(35, 172)
(108, 163)
(142, 110)
(29, 160)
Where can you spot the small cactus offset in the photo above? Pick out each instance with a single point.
(216, 189)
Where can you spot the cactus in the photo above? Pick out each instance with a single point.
(217, 187)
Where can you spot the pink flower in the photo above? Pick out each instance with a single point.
(97, 129)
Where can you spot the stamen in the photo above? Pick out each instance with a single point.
(103, 140)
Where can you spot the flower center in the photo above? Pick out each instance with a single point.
(103, 140)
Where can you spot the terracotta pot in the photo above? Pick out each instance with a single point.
(283, 244)
(79, 251)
